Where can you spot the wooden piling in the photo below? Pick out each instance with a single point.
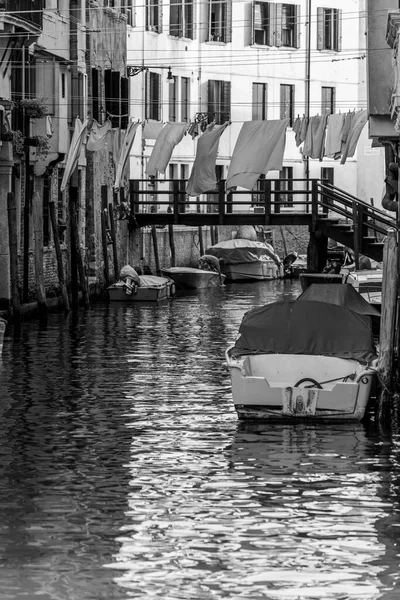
(155, 248)
(172, 244)
(114, 241)
(57, 247)
(388, 321)
(39, 273)
(105, 248)
(76, 252)
(201, 241)
(13, 246)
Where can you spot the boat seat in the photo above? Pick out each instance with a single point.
(288, 369)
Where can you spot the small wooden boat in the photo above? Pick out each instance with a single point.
(243, 259)
(3, 324)
(302, 360)
(368, 282)
(150, 289)
(190, 278)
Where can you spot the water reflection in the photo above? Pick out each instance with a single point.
(124, 472)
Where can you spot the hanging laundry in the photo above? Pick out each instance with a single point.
(348, 118)
(100, 137)
(304, 127)
(203, 178)
(116, 143)
(314, 143)
(358, 121)
(49, 127)
(124, 154)
(333, 140)
(297, 126)
(75, 147)
(170, 135)
(258, 149)
(151, 129)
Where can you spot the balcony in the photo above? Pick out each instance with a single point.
(24, 14)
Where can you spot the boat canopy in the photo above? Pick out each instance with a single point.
(342, 294)
(237, 251)
(316, 328)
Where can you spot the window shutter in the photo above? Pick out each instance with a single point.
(211, 100)
(226, 102)
(147, 95)
(160, 17)
(320, 28)
(228, 25)
(253, 19)
(339, 30)
(108, 90)
(209, 20)
(124, 102)
(278, 25)
(271, 23)
(115, 100)
(297, 26)
(159, 96)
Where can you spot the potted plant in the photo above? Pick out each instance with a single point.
(42, 146)
(17, 140)
(34, 107)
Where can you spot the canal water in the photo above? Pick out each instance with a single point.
(125, 473)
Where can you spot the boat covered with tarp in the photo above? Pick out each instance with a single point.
(303, 358)
(242, 259)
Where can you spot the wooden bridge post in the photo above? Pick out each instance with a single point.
(265, 185)
(356, 235)
(176, 194)
(388, 320)
(314, 203)
(155, 248)
(221, 201)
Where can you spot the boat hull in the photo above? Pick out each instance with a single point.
(268, 387)
(151, 289)
(251, 271)
(189, 278)
(3, 324)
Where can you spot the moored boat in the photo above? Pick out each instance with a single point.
(132, 287)
(3, 324)
(242, 259)
(368, 282)
(302, 359)
(208, 274)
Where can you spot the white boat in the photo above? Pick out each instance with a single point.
(151, 288)
(3, 324)
(241, 259)
(208, 274)
(190, 278)
(302, 360)
(368, 282)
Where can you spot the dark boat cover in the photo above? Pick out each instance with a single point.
(342, 295)
(237, 251)
(317, 328)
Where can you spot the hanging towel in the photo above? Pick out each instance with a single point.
(203, 178)
(358, 122)
(151, 129)
(333, 141)
(314, 144)
(100, 137)
(49, 127)
(258, 149)
(170, 135)
(303, 130)
(297, 131)
(78, 137)
(124, 154)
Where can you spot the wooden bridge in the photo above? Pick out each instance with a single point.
(320, 206)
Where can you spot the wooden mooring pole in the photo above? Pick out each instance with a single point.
(155, 248)
(57, 247)
(13, 246)
(39, 273)
(388, 321)
(172, 244)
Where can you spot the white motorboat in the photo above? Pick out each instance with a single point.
(368, 282)
(242, 259)
(208, 274)
(303, 359)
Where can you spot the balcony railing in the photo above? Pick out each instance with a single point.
(30, 11)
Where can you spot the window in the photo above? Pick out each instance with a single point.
(276, 24)
(181, 18)
(327, 174)
(327, 100)
(286, 183)
(172, 100)
(153, 16)
(96, 98)
(259, 105)
(153, 96)
(220, 21)
(127, 9)
(263, 30)
(185, 99)
(329, 29)
(287, 103)
(219, 101)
